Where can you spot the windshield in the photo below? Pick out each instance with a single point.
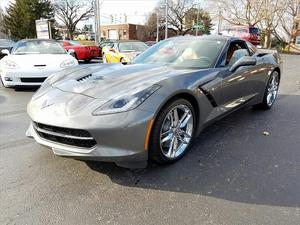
(38, 47)
(74, 42)
(185, 53)
(132, 46)
(6, 42)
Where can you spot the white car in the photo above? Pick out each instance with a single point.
(32, 61)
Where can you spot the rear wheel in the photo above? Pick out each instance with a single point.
(172, 132)
(270, 92)
(122, 60)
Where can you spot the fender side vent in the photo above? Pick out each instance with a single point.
(209, 97)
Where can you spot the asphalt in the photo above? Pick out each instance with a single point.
(233, 174)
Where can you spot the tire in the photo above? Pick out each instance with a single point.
(87, 60)
(268, 101)
(159, 150)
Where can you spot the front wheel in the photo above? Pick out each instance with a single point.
(172, 132)
(271, 92)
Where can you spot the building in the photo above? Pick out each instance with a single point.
(122, 31)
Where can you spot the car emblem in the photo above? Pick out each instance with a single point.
(46, 104)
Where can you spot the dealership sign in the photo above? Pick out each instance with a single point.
(42, 29)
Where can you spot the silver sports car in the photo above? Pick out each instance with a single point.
(152, 108)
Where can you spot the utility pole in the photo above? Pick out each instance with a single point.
(157, 29)
(97, 22)
(166, 28)
(197, 24)
(219, 22)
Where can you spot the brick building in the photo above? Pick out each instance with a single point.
(122, 31)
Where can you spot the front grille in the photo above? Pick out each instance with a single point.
(68, 136)
(33, 80)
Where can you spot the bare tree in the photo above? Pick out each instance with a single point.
(242, 12)
(265, 14)
(288, 20)
(182, 15)
(70, 12)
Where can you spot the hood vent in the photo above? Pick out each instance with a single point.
(85, 78)
(89, 78)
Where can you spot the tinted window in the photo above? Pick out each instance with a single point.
(251, 48)
(185, 53)
(236, 50)
(6, 43)
(254, 30)
(132, 46)
(243, 30)
(74, 42)
(38, 47)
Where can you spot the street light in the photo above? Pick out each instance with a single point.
(157, 29)
(166, 28)
(97, 22)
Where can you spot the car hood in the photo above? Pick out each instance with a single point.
(108, 80)
(30, 60)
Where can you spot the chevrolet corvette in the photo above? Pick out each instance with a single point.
(153, 107)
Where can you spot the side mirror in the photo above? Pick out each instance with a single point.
(71, 51)
(5, 52)
(245, 61)
(112, 50)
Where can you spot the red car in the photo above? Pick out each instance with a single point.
(248, 33)
(82, 52)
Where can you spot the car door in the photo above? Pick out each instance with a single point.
(237, 85)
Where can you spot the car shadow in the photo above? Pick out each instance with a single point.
(242, 158)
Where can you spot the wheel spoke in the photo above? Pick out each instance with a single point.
(185, 121)
(167, 138)
(176, 118)
(170, 151)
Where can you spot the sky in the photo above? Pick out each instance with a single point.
(136, 10)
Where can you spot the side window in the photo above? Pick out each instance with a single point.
(115, 46)
(236, 50)
(252, 48)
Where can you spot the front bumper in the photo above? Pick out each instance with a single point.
(18, 77)
(120, 138)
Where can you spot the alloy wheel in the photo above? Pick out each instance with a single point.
(176, 131)
(272, 89)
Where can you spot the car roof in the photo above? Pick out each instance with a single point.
(206, 37)
(123, 41)
(36, 39)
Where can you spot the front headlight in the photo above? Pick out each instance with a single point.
(9, 64)
(126, 102)
(68, 63)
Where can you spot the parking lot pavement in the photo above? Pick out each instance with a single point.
(233, 174)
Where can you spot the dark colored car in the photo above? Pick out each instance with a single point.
(82, 52)
(248, 33)
(155, 106)
(150, 43)
(6, 44)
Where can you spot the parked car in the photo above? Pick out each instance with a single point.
(248, 33)
(154, 107)
(82, 52)
(31, 61)
(122, 51)
(103, 44)
(6, 44)
(150, 43)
